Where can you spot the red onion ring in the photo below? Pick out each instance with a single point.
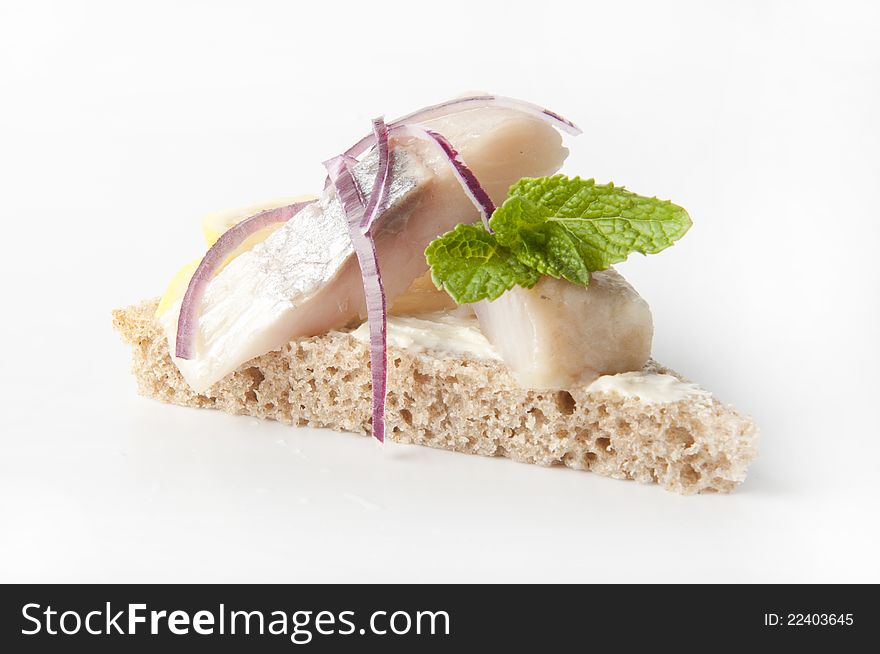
(379, 193)
(360, 220)
(351, 161)
(465, 104)
(187, 323)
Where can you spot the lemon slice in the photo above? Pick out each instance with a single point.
(214, 225)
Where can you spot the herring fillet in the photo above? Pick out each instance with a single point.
(559, 335)
(303, 280)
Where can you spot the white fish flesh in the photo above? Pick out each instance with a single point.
(304, 279)
(559, 335)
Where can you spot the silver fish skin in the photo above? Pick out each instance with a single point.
(308, 251)
(249, 307)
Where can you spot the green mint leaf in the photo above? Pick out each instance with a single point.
(568, 227)
(470, 265)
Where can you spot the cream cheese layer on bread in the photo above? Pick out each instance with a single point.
(554, 336)
(456, 332)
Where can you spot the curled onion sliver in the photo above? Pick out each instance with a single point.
(360, 219)
(465, 176)
(465, 104)
(345, 157)
(187, 323)
(379, 192)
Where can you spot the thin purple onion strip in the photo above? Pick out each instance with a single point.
(345, 157)
(465, 176)
(466, 104)
(187, 323)
(379, 192)
(360, 219)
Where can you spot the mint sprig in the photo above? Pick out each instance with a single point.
(557, 226)
(471, 266)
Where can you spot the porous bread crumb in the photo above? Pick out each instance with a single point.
(697, 445)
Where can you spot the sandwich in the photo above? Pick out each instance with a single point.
(447, 288)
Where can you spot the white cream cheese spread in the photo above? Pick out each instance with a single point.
(446, 331)
(651, 388)
(459, 332)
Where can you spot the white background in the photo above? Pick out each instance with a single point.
(122, 123)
